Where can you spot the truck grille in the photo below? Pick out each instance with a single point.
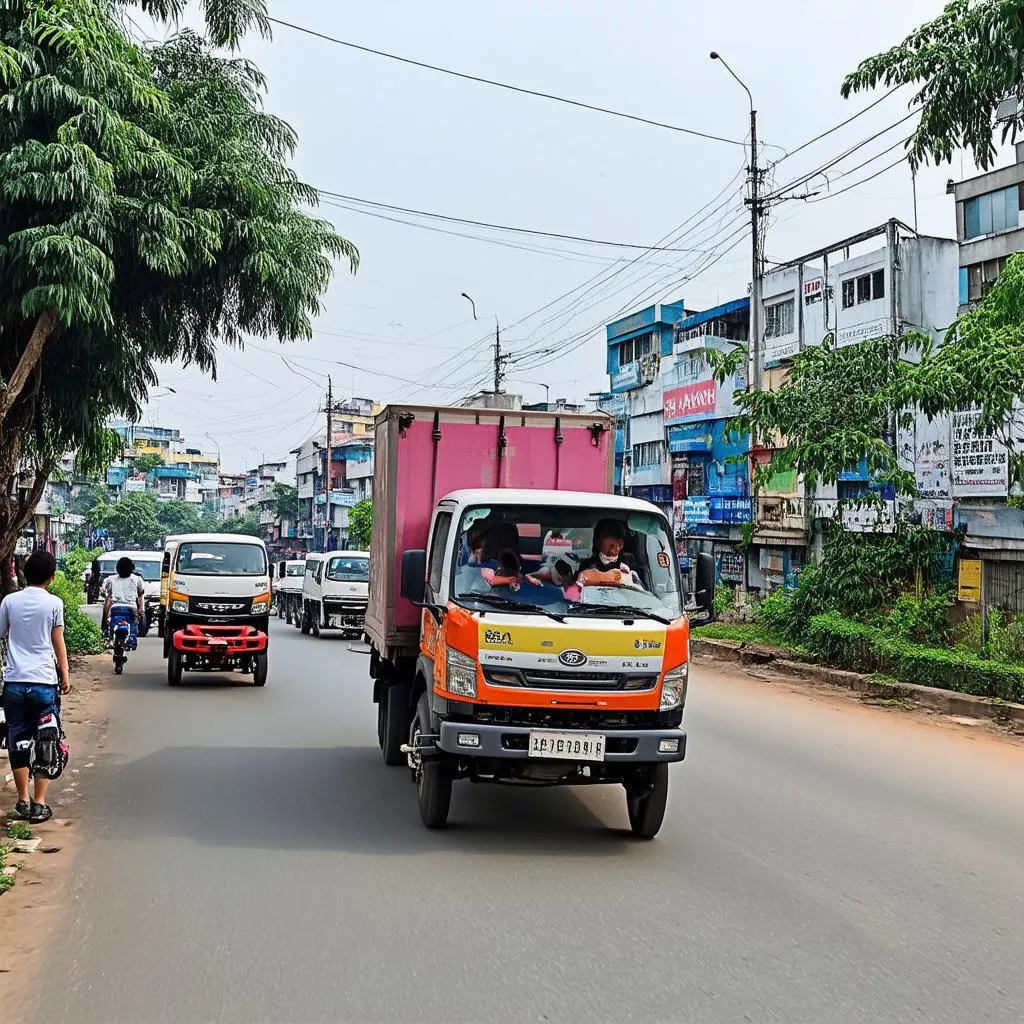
(554, 679)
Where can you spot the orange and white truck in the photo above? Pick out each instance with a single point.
(526, 625)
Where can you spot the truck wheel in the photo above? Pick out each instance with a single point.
(306, 623)
(144, 627)
(159, 626)
(167, 643)
(380, 722)
(259, 669)
(646, 804)
(396, 722)
(174, 667)
(315, 618)
(433, 775)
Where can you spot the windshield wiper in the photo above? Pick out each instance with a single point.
(506, 602)
(625, 610)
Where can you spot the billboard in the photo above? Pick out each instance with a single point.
(690, 400)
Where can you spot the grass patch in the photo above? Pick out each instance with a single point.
(738, 632)
(6, 881)
(18, 830)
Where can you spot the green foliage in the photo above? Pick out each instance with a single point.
(86, 501)
(248, 524)
(79, 560)
(963, 64)
(725, 599)
(921, 620)
(360, 523)
(132, 520)
(861, 648)
(175, 517)
(149, 215)
(81, 634)
(18, 830)
(1005, 638)
(147, 463)
(774, 613)
(286, 501)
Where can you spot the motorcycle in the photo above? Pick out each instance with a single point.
(123, 632)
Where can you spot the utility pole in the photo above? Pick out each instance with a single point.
(755, 279)
(499, 373)
(327, 475)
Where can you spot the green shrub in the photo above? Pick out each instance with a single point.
(774, 613)
(725, 599)
(861, 648)
(81, 634)
(924, 621)
(844, 642)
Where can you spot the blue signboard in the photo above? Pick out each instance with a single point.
(693, 437)
(627, 378)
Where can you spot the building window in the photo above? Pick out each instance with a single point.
(636, 348)
(778, 319)
(982, 276)
(647, 454)
(992, 213)
(866, 288)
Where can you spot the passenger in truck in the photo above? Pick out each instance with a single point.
(607, 567)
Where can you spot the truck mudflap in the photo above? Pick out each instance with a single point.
(621, 746)
(217, 642)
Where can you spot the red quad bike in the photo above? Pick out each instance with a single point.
(201, 648)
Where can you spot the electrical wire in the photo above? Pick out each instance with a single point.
(863, 181)
(503, 85)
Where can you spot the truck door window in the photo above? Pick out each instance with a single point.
(438, 544)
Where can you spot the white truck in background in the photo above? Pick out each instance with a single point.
(335, 592)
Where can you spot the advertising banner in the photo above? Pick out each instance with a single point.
(690, 400)
(979, 460)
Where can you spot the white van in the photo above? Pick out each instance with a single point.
(336, 592)
(218, 610)
(147, 565)
(288, 587)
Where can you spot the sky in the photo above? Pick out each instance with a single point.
(371, 128)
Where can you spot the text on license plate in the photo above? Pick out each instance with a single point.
(568, 746)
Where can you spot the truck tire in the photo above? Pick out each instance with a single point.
(316, 617)
(433, 775)
(174, 667)
(144, 626)
(646, 804)
(380, 722)
(306, 617)
(260, 668)
(396, 722)
(167, 643)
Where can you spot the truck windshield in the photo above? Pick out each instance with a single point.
(149, 571)
(210, 558)
(355, 570)
(296, 569)
(572, 561)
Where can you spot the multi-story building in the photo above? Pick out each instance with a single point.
(707, 465)
(884, 281)
(989, 225)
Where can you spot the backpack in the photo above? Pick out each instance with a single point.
(50, 752)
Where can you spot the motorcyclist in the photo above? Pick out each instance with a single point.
(126, 591)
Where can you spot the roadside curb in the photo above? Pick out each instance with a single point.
(946, 701)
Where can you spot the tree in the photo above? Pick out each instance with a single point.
(147, 214)
(965, 63)
(147, 463)
(174, 517)
(286, 501)
(87, 500)
(132, 520)
(249, 525)
(360, 523)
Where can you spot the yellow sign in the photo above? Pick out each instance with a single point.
(969, 582)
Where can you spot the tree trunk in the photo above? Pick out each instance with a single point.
(29, 360)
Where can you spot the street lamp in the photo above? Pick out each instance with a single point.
(499, 359)
(471, 302)
(537, 384)
(754, 374)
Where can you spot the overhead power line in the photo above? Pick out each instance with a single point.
(863, 181)
(504, 85)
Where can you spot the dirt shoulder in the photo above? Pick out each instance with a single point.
(31, 907)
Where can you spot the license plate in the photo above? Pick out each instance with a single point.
(567, 746)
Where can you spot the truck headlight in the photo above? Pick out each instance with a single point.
(673, 687)
(460, 673)
(179, 606)
(259, 607)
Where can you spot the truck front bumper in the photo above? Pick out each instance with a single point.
(623, 746)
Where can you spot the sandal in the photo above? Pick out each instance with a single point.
(39, 814)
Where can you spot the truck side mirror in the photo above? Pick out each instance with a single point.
(414, 575)
(705, 580)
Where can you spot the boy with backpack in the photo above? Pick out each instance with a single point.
(37, 674)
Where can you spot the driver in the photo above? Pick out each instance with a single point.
(606, 566)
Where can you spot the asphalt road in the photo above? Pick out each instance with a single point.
(250, 858)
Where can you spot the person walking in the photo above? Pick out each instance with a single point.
(32, 621)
